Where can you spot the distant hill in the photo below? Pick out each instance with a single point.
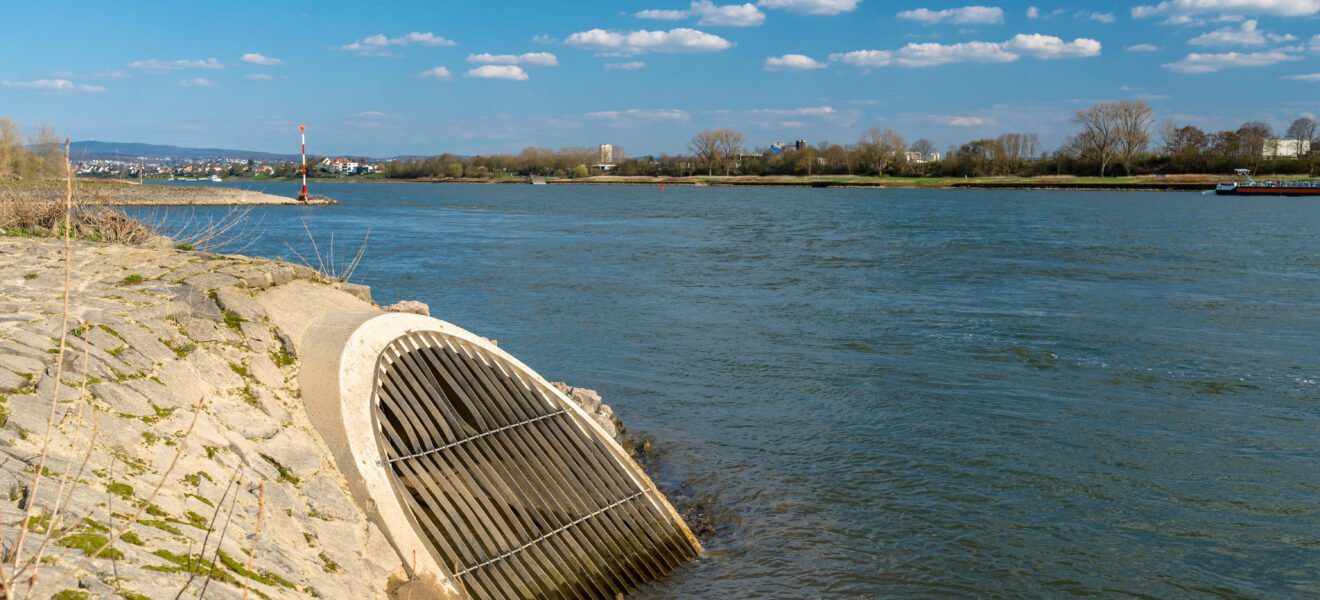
(87, 150)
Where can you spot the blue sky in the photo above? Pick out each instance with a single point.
(426, 77)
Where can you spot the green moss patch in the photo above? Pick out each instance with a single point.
(89, 542)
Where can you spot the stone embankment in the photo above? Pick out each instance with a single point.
(177, 420)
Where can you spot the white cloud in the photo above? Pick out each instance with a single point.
(435, 73)
(1304, 77)
(1099, 17)
(258, 77)
(729, 15)
(162, 66)
(1246, 34)
(1182, 12)
(1049, 47)
(1033, 12)
(967, 15)
(1142, 48)
(954, 121)
(642, 41)
(508, 72)
(809, 111)
(197, 82)
(259, 59)
(626, 66)
(53, 86)
(643, 114)
(112, 74)
(1211, 63)
(536, 59)
(792, 62)
(663, 15)
(812, 7)
(864, 58)
(930, 54)
(379, 45)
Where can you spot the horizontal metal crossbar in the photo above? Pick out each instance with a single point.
(549, 535)
(477, 437)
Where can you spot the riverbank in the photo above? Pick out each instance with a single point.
(111, 192)
(175, 422)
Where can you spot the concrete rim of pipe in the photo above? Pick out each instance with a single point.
(340, 352)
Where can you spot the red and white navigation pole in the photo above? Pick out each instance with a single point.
(302, 129)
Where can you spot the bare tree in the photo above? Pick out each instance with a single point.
(729, 144)
(1252, 137)
(1132, 124)
(1098, 138)
(11, 148)
(923, 146)
(881, 148)
(705, 147)
(1303, 133)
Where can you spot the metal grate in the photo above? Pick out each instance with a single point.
(512, 490)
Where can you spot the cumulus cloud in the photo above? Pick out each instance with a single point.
(642, 41)
(967, 15)
(709, 13)
(507, 72)
(792, 62)
(1142, 48)
(864, 58)
(954, 121)
(812, 7)
(643, 114)
(1044, 47)
(1211, 63)
(536, 59)
(1303, 77)
(625, 66)
(197, 82)
(161, 66)
(1182, 12)
(53, 86)
(260, 59)
(1246, 34)
(379, 44)
(435, 73)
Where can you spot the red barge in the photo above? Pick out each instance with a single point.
(1251, 187)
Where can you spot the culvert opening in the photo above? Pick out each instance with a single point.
(510, 488)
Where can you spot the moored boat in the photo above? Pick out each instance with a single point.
(1251, 187)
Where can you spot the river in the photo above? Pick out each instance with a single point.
(906, 393)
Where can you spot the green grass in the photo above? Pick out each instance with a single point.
(71, 595)
(185, 246)
(89, 542)
(132, 279)
(233, 320)
(123, 490)
(285, 474)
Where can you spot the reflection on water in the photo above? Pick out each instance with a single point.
(910, 392)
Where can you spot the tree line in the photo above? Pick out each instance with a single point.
(1112, 138)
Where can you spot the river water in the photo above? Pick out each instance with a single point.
(907, 393)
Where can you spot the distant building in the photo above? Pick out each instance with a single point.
(918, 158)
(605, 162)
(1285, 148)
(340, 166)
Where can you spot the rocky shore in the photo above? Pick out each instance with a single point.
(178, 422)
(125, 193)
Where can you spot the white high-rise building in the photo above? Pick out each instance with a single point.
(606, 154)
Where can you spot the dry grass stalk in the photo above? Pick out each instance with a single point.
(256, 533)
(59, 363)
(215, 556)
(326, 265)
(54, 527)
(232, 232)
